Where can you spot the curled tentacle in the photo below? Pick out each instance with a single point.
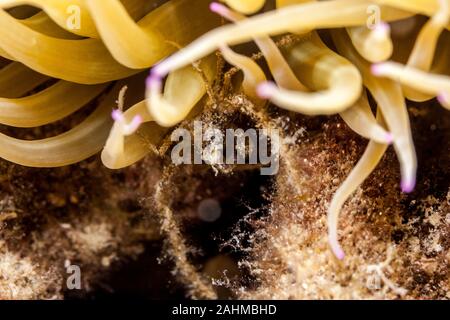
(424, 49)
(88, 61)
(390, 99)
(253, 75)
(73, 146)
(433, 85)
(360, 119)
(282, 73)
(369, 160)
(17, 80)
(315, 15)
(375, 45)
(49, 105)
(338, 87)
(183, 90)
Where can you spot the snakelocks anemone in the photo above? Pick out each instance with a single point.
(343, 57)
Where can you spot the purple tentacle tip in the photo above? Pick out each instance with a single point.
(265, 90)
(444, 98)
(382, 28)
(153, 80)
(215, 7)
(158, 71)
(389, 137)
(377, 69)
(408, 185)
(117, 115)
(339, 253)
